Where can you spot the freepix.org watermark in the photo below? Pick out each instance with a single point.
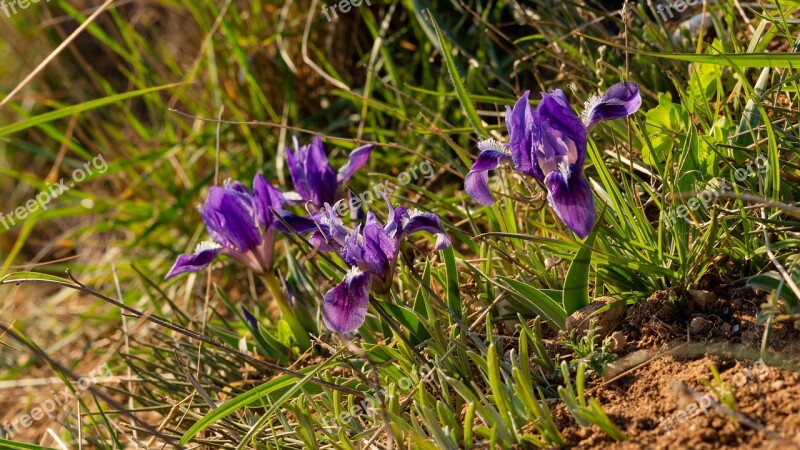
(756, 370)
(716, 188)
(666, 9)
(344, 7)
(52, 405)
(10, 7)
(53, 191)
(369, 406)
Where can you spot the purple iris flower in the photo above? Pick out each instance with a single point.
(314, 179)
(371, 252)
(243, 226)
(549, 144)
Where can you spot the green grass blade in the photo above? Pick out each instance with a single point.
(19, 277)
(21, 445)
(75, 109)
(576, 286)
(461, 91)
(548, 308)
(273, 390)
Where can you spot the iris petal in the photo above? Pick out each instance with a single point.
(237, 186)
(620, 100)
(357, 159)
(379, 249)
(555, 110)
(519, 122)
(320, 174)
(296, 162)
(204, 254)
(572, 200)
(313, 177)
(554, 148)
(230, 219)
(394, 219)
(249, 317)
(331, 232)
(421, 221)
(352, 252)
(266, 196)
(371, 250)
(320, 243)
(291, 223)
(344, 307)
(477, 181)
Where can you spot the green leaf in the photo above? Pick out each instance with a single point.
(21, 277)
(542, 303)
(268, 344)
(704, 80)
(409, 319)
(267, 393)
(293, 392)
(461, 91)
(751, 118)
(499, 393)
(576, 286)
(21, 445)
(665, 125)
(772, 281)
(75, 109)
(453, 293)
(781, 60)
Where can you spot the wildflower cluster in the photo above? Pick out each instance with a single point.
(244, 224)
(549, 144)
(371, 253)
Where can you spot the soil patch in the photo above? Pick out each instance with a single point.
(658, 397)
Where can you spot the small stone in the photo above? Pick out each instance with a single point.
(606, 321)
(777, 385)
(700, 325)
(692, 26)
(618, 342)
(681, 394)
(701, 299)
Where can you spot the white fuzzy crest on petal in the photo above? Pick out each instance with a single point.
(588, 106)
(493, 145)
(352, 273)
(206, 245)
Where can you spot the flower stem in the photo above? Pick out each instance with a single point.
(300, 334)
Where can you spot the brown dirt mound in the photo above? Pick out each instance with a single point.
(655, 395)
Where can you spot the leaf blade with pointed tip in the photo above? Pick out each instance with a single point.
(576, 285)
(461, 90)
